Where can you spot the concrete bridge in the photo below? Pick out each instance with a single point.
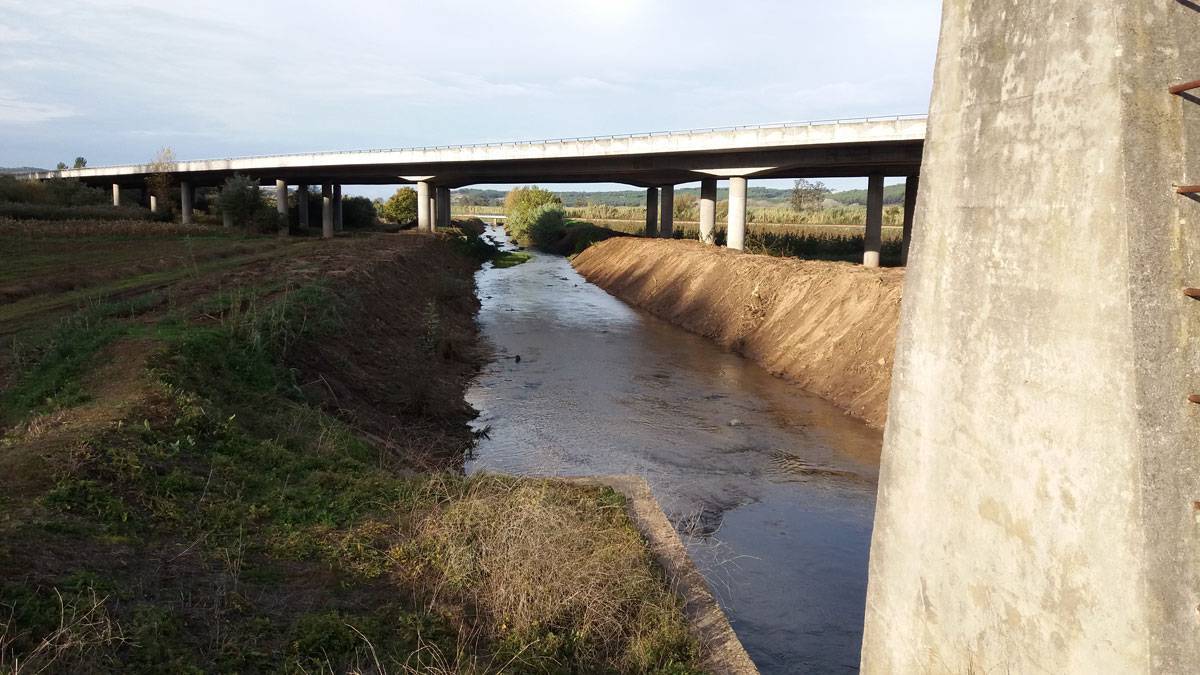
(872, 147)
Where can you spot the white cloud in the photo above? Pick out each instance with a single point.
(15, 110)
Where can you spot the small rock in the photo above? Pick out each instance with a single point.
(517, 358)
(735, 422)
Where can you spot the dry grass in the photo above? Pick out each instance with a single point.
(83, 627)
(541, 561)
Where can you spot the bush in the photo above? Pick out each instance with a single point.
(521, 206)
(28, 211)
(549, 223)
(401, 207)
(54, 192)
(358, 213)
(241, 199)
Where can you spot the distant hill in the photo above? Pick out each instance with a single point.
(756, 196)
(19, 169)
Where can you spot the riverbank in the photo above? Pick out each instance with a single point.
(831, 327)
(235, 453)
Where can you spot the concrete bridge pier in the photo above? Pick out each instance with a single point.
(911, 185)
(442, 203)
(337, 207)
(153, 204)
(652, 212)
(735, 232)
(116, 194)
(666, 212)
(281, 205)
(185, 202)
(302, 206)
(424, 207)
(327, 211)
(874, 235)
(1039, 493)
(708, 210)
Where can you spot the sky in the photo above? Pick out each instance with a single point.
(114, 81)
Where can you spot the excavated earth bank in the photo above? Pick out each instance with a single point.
(829, 326)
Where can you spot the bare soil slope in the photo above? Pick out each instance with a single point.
(831, 327)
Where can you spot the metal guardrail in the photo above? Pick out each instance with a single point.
(576, 139)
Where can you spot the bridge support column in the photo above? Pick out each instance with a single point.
(708, 210)
(337, 207)
(735, 232)
(424, 208)
(327, 211)
(302, 206)
(911, 185)
(666, 212)
(185, 202)
(1038, 492)
(281, 205)
(116, 194)
(651, 212)
(153, 204)
(874, 234)
(441, 207)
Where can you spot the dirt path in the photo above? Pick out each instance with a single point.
(831, 327)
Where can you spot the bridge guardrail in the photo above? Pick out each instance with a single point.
(575, 139)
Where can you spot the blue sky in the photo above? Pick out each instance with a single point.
(115, 81)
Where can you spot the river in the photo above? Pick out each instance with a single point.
(771, 488)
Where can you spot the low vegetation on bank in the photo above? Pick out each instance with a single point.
(227, 452)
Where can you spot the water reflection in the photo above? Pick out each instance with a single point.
(772, 488)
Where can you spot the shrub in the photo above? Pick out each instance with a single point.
(520, 206)
(53, 192)
(401, 207)
(28, 211)
(547, 226)
(358, 213)
(241, 199)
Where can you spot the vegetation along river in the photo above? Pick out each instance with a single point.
(772, 488)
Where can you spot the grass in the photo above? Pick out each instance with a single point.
(179, 499)
(507, 259)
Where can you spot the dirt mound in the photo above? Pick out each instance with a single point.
(831, 327)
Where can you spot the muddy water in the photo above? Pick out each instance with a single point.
(772, 488)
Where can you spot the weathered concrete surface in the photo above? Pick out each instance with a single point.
(1035, 511)
(721, 650)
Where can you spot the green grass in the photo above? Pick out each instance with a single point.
(509, 259)
(221, 521)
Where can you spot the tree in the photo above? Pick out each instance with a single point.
(80, 163)
(808, 195)
(159, 182)
(241, 200)
(401, 207)
(61, 166)
(520, 207)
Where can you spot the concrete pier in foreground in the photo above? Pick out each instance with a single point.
(1039, 497)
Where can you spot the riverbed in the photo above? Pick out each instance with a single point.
(771, 488)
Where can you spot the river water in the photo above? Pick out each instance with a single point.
(772, 488)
